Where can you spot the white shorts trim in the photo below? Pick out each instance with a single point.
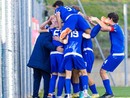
(118, 54)
(56, 52)
(73, 53)
(84, 49)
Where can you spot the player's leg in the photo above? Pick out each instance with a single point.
(106, 83)
(83, 84)
(68, 83)
(64, 33)
(105, 79)
(61, 84)
(75, 83)
(68, 73)
(110, 64)
(88, 56)
(54, 74)
(68, 26)
(61, 75)
(92, 87)
(80, 65)
(83, 25)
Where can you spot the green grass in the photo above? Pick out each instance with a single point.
(119, 92)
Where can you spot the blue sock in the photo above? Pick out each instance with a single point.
(75, 87)
(107, 86)
(93, 89)
(83, 82)
(95, 30)
(68, 86)
(52, 83)
(60, 85)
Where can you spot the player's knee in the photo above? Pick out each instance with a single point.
(83, 72)
(102, 73)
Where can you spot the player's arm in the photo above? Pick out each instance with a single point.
(58, 19)
(104, 26)
(48, 44)
(90, 21)
(64, 41)
(43, 30)
(79, 11)
(47, 22)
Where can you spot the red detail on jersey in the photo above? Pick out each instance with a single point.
(112, 29)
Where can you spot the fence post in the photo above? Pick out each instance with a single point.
(0, 49)
(126, 43)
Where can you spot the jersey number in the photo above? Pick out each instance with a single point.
(56, 33)
(74, 34)
(68, 8)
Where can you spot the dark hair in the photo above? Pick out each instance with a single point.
(114, 16)
(58, 3)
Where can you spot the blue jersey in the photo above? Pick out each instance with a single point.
(117, 49)
(74, 45)
(117, 39)
(87, 43)
(55, 56)
(65, 12)
(73, 52)
(55, 32)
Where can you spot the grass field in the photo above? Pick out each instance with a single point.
(122, 92)
(119, 92)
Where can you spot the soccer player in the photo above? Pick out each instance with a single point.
(56, 58)
(71, 20)
(40, 62)
(116, 52)
(73, 60)
(88, 56)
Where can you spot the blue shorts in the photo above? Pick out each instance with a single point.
(75, 21)
(112, 62)
(56, 60)
(88, 56)
(73, 61)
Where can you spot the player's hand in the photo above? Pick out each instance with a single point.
(104, 20)
(57, 38)
(59, 49)
(93, 18)
(87, 36)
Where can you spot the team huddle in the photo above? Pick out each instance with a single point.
(73, 66)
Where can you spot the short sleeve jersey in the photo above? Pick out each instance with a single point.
(65, 12)
(55, 32)
(117, 39)
(74, 44)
